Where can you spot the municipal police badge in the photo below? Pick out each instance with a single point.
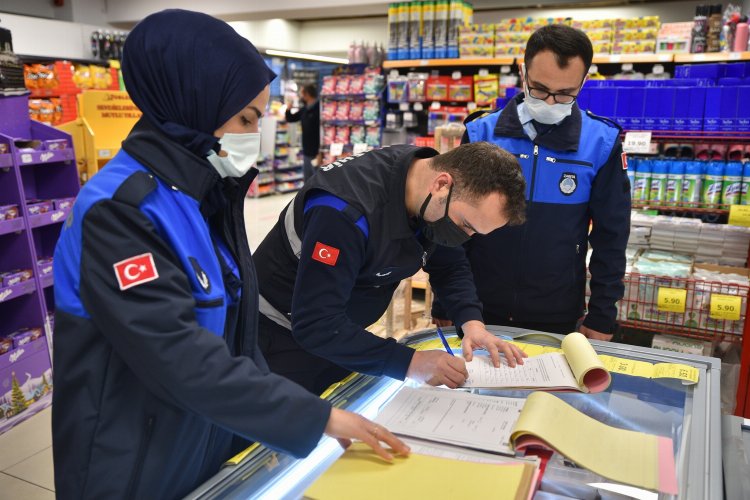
(568, 183)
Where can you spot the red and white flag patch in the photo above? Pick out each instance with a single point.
(325, 253)
(624, 157)
(136, 271)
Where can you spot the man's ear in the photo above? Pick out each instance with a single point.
(442, 182)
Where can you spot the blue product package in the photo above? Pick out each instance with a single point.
(682, 71)
(642, 185)
(607, 102)
(675, 173)
(583, 99)
(636, 112)
(743, 101)
(622, 108)
(696, 106)
(632, 164)
(659, 109)
(712, 111)
(594, 99)
(730, 81)
(735, 70)
(728, 109)
(711, 71)
(732, 186)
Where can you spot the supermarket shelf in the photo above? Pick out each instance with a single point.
(6, 160)
(47, 280)
(282, 168)
(43, 157)
(11, 292)
(685, 210)
(11, 226)
(633, 58)
(434, 63)
(682, 331)
(293, 178)
(694, 136)
(712, 57)
(45, 219)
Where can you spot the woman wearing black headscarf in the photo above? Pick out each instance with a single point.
(156, 362)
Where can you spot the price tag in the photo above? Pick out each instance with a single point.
(665, 57)
(105, 153)
(615, 58)
(26, 158)
(418, 106)
(408, 117)
(360, 147)
(637, 142)
(484, 72)
(471, 106)
(699, 57)
(671, 299)
(735, 56)
(337, 148)
(739, 215)
(424, 62)
(456, 75)
(725, 306)
(404, 106)
(435, 105)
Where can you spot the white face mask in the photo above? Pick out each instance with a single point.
(548, 114)
(242, 153)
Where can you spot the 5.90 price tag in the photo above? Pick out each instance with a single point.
(725, 307)
(671, 299)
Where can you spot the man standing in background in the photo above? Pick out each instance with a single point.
(309, 117)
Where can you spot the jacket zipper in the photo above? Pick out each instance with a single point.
(523, 235)
(571, 162)
(210, 303)
(140, 458)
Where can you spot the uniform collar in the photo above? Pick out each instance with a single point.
(563, 137)
(395, 208)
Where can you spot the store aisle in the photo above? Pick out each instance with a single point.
(261, 214)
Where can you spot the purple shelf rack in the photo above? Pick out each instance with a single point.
(39, 165)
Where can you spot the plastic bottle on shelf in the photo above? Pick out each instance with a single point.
(741, 36)
(692, 183)
(675, 174)
(700, 29)
(594, 73)
(658, 73)
(732, 186)
(658, 191)
(627, 73)
(642, 185)
(713, 183)
(744, 199)
(632, 169)
(714, 29)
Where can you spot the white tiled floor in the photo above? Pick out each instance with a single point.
(26, 471)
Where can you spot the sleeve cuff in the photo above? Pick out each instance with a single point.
(599, 323)
(316, 421)
(399, 363)
(468, 314)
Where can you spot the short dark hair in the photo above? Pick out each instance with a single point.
(311, 90)
(563, 41)
(482, 168)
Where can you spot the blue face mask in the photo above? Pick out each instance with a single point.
(443, 231)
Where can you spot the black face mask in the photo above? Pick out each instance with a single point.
(443, 231)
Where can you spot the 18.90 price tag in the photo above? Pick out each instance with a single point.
(725, 307)
(637, 142)
(671, 299)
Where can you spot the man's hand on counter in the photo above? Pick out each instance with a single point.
(345, 426)
(476, 336)
(438, 368)
(594, 335)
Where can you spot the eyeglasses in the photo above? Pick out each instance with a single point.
(543, 95)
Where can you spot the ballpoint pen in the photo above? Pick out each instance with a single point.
(445, 342)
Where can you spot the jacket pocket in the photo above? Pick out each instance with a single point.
(135, 479)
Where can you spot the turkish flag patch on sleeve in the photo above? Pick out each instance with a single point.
(624, 157)
(135, 271)
(325, 254)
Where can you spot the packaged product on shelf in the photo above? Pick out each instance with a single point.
(428, 27)
(456, 114)
(692, 184)
(630, 35)
(374, 83)
(329, 85)
(8, 212)
(393, 120)
(417, 83)
(44, 266)
(328, 111)
(24, 336)
(435, 118)
(636, 47)
(6, 344)
(393, 27)
(674, 38)
(436, 88)
(371, 111)
(511, 38)
(329, 134)
(594, 24)
(403, 30)
(712, 184)
(4, 149)
(441, 28)
(642, 186)
(658, 193)
(55, 144)
(448, 137)
(36, 207)
(357, 111)
(732, 185)
(342, 110)
(460, 90)
(602, 47)
(637, 22)
(342, 84)
(47, 111)
(10, 278)
(744, 200)
(398, 89)
(485, 89)
(342, 134)
(604, 35)
(357, 85)
(509, 49)
(373, 136)
(63, 203)
(477, 41)
(357, 134)
(675, 175)
(415, 21)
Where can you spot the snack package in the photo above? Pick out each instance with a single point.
(371, 111)
(342, 110)
(10, 278)
(329, 85)
(357, 85)
(8, 212)
(6, 344)
(342, 134)
(398, 89)
(47, 111)
(329, 134)
(461, 90)
(328, 110)
(357, 134)
(357, 111)
(374, 84)
(35, 108)
(342, 85)
(30, 76)
(372, 137)
(57, 115)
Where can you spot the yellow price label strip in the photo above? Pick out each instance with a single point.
(725, 307)
(671, 299)
(674, 370)
(739, 215)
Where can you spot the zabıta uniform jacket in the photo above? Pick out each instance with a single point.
(156, 362)
(574, 174)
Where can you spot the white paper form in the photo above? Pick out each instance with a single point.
(549, 370)
(453, 417)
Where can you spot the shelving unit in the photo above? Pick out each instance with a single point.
(43, 169)
(434, 63)
(287, 162)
